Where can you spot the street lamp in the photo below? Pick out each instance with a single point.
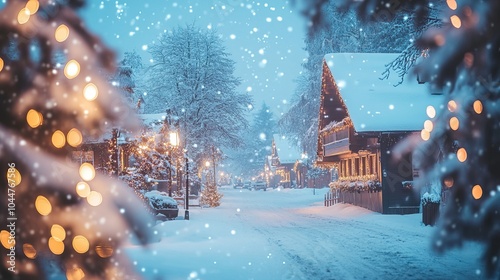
(174, 142)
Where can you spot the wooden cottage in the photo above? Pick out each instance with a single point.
(283, 158)
(363, 114)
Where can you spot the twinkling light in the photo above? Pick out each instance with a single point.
(62, 33)
(452, 4)
(448, 182)
(14, 177)
(478, 106)
(462, 155)
(58, 139)
(74, 137)
(55, 246)
(23, 16)
(455, 21)
(75, 273)
(6, 241)
(29, 251)
(87, 171)
(454, 123)
(90, 92)
(477, 191)
(58, 232)
(80, 244)
(428, 125)
(83, 189)
(42, 205)
(425, 135)
(34, 118)
(32, 6)
(94, 198)
(452, 105)
(104, 251)
(72, 69)
(431, 112)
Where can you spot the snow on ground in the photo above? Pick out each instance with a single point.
(289, 234)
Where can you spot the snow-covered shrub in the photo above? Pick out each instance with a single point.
(430, 198)
(160, 200)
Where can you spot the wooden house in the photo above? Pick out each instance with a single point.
(282, 161)
(364, 113)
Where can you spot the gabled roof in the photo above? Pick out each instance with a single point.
(286, 152)
(372, 103)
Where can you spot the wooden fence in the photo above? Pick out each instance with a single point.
(369, 200)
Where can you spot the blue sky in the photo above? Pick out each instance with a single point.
(266, 39)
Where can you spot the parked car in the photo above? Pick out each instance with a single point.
(259, 185)
(247, 185)
(238, 185)
(163, 206)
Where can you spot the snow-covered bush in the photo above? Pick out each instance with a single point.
(160, 200)
(430, 198)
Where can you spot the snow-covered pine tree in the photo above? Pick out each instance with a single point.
(462, 62)
(52, 92)
(210, 195)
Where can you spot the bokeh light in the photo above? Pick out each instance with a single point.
(425, 135)
(72, 69)
(87, 171)
(94, 198)
(478, 106)
(42, 205)
(428, 125)
(80, 244)
(90, 92)
(62, 33)
(74, 137)
(454, 123)
(55, 246)
(58, 232)
(452, 4)
(455, 21)
(1, 64)
(448, 182)
(452, 105)
(23, 16)
(104, 251)
(29, 251)
(477, 191)
(4, 239)
(17, 176)
(34, 118)
(58, 139)
(462, 155)
(32, 6)
(431, 112)
(75, 273)
(82, 189)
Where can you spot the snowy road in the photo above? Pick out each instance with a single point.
(288, 234)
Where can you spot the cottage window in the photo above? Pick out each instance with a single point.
(356, 167)
(349, 167)
(364, 170)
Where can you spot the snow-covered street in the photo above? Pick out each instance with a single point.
(289, 234)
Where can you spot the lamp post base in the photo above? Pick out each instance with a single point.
(186, 215)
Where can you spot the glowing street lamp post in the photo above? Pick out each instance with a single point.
(174, 141)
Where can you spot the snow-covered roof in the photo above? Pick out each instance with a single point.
(287, 153)
(154, 121)
(378, 105)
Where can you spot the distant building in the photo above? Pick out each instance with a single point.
(283, 158)
(362, 117)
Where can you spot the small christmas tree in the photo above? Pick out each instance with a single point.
(210, 195)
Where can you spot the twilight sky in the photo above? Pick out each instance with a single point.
(266, 39)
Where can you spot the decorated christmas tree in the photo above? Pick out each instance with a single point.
(64, 218)
(210, 195)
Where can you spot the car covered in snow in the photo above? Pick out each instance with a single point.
(259, 185)
(247, 185)
(163, 206)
